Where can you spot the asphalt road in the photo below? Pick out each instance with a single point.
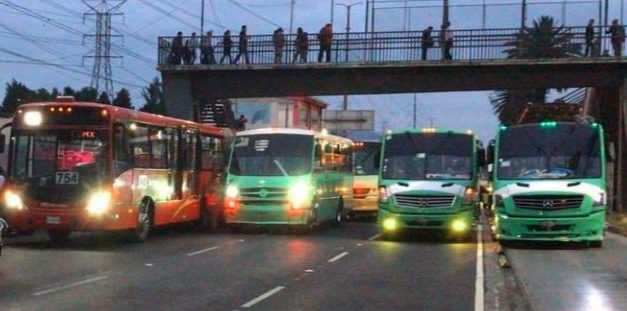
(346, 268)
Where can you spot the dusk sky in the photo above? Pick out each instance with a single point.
(56, 39)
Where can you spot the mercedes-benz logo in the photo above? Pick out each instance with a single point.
(423, 202)
(548, 203)
(263, 193)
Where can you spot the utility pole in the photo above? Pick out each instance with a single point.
(523, 14)
(202, 17)
(348, 30)
(445, 21)
(292, 14)
(103, 12)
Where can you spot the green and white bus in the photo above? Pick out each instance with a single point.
(549, 183)
(282, 176)
(428, 180)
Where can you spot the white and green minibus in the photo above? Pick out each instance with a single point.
(428, 180)
(283, 176)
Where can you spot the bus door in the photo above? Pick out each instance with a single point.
(188, 185)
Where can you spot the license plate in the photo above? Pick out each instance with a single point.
(53, 220)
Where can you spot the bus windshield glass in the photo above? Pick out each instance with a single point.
(272, 155)
(427, 156)
(553, 152)
(60, 157)
(366, 159)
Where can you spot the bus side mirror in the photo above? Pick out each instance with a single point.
(3, 141)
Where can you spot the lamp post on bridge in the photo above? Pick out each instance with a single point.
(348, 30)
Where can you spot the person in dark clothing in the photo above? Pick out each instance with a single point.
(227, 42)
(177, 49)
(243, 46)
(278, 40)
(301, 46)
(447, 41)
(617, 37)
(426, 42)
(590, 38)
(241, 122)
(325, 36)
(206, 49)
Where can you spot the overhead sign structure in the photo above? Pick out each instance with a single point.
(348, 120)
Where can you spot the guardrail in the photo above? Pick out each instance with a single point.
(399, 46)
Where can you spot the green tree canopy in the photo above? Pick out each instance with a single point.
(123, 99)
(153, 95)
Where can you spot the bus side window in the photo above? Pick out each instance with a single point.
(212, 153)
(159, 142)
(317, 155)
(120, 149)
(140, 146)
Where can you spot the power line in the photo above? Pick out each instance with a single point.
(253, 13)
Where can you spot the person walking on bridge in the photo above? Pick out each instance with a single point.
(446, 36)
(301, 46)
(426, 42)
(278, 40)
(243, 46)
(590, 38)
(617, 37)
(206, 49)
(227, 42)
(325, 36)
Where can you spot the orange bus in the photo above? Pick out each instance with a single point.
(81, 166)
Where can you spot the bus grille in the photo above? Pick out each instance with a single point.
(424, 201)
(548, 202)
(264, 193)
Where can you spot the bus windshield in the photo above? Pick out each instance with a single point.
(60, 157)
(559, 151)
(272, 155)
(366, 159)
(426, 156)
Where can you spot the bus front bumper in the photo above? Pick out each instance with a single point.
(67, 219)
(268, 215)
(390, 222)
(587, 228)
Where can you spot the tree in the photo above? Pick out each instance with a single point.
(104, 98)
(87, 94)
(123, 99)
(153, 95)
(544, 40)
(16, 94)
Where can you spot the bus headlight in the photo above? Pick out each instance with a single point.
(232, 191)
(297, 195)
(13, 200)
(498, 201)
(99, 203)
(383, 194)
(32, 118)
(598, 199)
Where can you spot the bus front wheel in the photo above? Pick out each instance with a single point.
(595, 244)
(59, 237)
(144, 221)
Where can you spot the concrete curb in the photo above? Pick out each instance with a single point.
(617, 230)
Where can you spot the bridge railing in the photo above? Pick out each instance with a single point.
(394, 46)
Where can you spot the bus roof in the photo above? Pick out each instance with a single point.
(126, 113)
(294, 131)
(428, 130)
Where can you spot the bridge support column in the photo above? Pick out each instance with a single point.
(179, 100)
(622, 150)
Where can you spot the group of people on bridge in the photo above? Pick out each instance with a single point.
(200, 50)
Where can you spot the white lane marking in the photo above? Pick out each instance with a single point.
(202, 251)
(309, 271)
(149, 265)
(262, 297)
(479, 290)
(374, 237)
(336, 258)
(52, 290)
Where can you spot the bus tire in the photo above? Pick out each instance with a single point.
(595, 244)
(59, 237)
(145, 220)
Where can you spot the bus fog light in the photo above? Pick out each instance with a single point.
(99, 203)
(459, 225)
(390, 224)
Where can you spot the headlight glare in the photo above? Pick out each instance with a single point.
(99, 203)
(13, 200)
(232, 191)
(298, 195)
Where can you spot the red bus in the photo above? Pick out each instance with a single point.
(81, 166)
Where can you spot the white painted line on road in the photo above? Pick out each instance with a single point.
(374, 237)
(336, 258)
(202, 251)
(52, 290)
(262, 297)
(309, 271)
(149, 265)
(479, 290)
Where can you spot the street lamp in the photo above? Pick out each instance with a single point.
(348, 30)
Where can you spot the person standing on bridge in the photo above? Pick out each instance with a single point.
(617, 37)
(243, 46)
(301, 45)
(278, 40)
(590, 38)
(177, 49)
(426, 42)
(227, 42)
(206, 49)
(325, 36)
(446, 37)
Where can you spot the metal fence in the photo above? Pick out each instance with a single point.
(377, 47)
